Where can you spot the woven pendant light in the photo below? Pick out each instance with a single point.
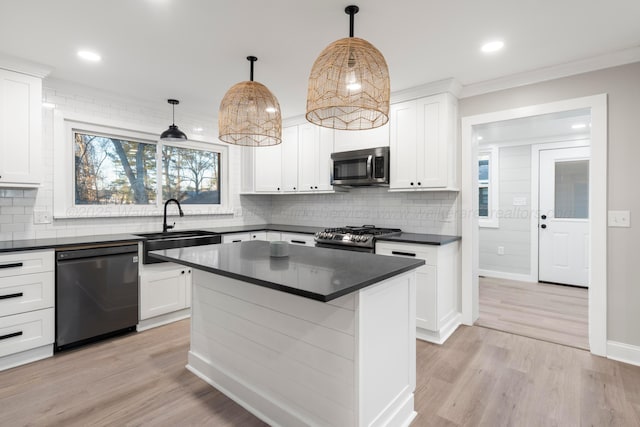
(349, 84)
(250, 115)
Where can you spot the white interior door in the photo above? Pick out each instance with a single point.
(563, 225)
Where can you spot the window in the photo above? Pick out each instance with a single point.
(113, 171)
(104, 171)
(190, 176)
(488, 187)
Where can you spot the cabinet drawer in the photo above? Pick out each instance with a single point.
(18, 263)
(428, 253)
(24, 293)
(298, 239)
(236, 237)
(25, 331)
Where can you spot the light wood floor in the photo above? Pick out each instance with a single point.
(552, 313)
(479, 377)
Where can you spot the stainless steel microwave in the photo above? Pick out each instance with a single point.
(360, 167)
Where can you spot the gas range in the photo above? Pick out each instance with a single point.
(355, 238)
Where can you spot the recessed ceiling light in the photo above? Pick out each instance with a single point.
(198, 129)
(493, 46)
(578, 126)
(48, 105)
(89, 56)
(479, 138)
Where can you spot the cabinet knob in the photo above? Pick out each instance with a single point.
(294, 188)
(419, 183)
(316, 187)
(311, 187)
(412, 183)
(182, 272)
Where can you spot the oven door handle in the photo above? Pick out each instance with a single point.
(370, 166)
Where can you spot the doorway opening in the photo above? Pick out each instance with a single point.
(533, 176)
(569, 167)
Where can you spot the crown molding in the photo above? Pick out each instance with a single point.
(612, 59)
(24, 66)
(450, 85)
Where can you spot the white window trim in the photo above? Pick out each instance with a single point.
(493, 220)
(63, 170)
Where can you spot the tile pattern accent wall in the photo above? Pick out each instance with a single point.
(17, 206)
(417, 212)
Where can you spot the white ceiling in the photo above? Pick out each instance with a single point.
(194, 50)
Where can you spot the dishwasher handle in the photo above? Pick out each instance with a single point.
(92, 252)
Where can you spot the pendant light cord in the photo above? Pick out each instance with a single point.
(252, 59)
(351, 11)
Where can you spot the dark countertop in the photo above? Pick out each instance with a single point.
(422, 239)
(61, 242)
(302, 229)
(316, 273)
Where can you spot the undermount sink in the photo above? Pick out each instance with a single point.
(175, 239)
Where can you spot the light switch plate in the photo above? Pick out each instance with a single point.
(619, 218)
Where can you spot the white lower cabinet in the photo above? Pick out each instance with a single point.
(27, 299)
(165, 294)
(437, 288)
(236, 237)
(298, 239)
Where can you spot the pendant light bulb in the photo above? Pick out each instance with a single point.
(349, 87)
(173, 133)
(250, 114)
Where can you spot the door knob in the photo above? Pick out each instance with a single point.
(543, 226)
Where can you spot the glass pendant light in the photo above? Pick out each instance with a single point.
(250, 114)
(173, 133)
(349, 86)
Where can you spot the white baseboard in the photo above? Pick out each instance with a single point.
(507, 276)
(623, 352)
(439, 337)
(163, 319)
(24, 357)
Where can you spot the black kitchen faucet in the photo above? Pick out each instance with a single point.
(166, 227)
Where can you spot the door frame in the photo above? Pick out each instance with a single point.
(597, 208)
(535, 194)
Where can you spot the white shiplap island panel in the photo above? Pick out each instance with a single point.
(294, 361)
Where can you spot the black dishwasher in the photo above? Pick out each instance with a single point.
(96, 293)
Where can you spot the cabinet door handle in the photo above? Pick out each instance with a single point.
(236, 241)
(16, 295)
(14, 265)
(402, 253)
(300, 242)
(14, 334)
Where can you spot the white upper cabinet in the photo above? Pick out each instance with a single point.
(20, 129)
(314, 158)
(302, 163)
(423, 144)
(289, 159)
(348, 140)
(268, 168)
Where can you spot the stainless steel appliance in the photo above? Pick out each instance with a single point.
(352, 238)
(96, 293)
(360, 167)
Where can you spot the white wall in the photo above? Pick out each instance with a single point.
(622, 85)
(514, 229)
(17, 205)
(417, 212)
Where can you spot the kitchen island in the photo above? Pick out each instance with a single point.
(321, 337)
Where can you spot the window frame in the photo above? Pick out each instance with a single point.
(493, 184)
(64, 169)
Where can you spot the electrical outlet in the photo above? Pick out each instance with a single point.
(500, 250)
(41, 217)
(619, 219)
